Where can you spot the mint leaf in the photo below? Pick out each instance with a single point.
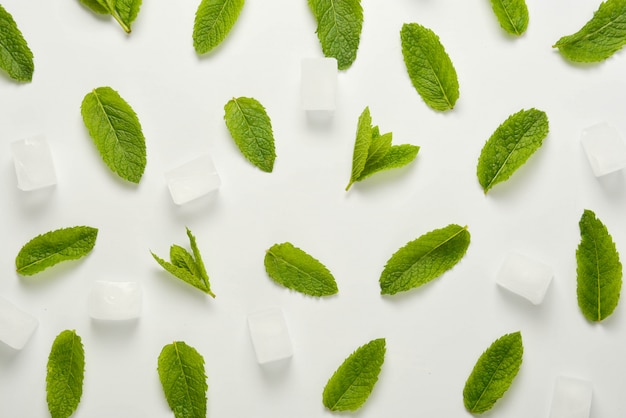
(53, 247)
(512, 15)
(353, 382)
(510, 146)
(97, 6)
(429, 66)
(186, 266)
(295, 269)
(599, 270)
(424, 259)
(493, 373)
(214, 20)
(251, 128)
(600, 37)
(66, 370)
(339, 24)
(123, 11)
(116, 131)
(16, 58)
(182, 376)
(373, 152)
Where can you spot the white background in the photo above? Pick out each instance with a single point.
(435, 333)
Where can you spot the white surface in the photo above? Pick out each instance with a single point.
(34, 166)
(269, 335)
(318, 84)
(434, 334)
(193, 179)
(605, 149)
(115, 301)
(571, 398)
(525, 276)
(16, 326)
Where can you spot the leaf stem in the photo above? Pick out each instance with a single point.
(117, 17)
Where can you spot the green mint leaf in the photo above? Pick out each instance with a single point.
(361, 145)
(186, 266)
(424, 259)
(116, 131)
(397, 156)
(97, 6)
(16, 58)
(512, 15)
(339, 24)
(599, 270)
(600, 37)
(54, 247)
(66, 370)
(353, 382)
(493, 373)
(251, 128)
(295, 269)
(379, 147)
(510, 146)
(429, 66)
(182, 376)
(214, 20)
(123, 11)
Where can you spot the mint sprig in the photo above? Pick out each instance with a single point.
(123, 11)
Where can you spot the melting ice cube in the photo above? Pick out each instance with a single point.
(115, 300)
(16, 326)
(34, 165)
(319, 84)
(526, 277)
(270, 336)
(193, 179)
(571, 398)
(604, 148)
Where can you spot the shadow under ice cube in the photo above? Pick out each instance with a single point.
(525, 277)
(115, 301)
(605, 149)
(571, 398)
(319, 84)
(16, 326)
(34, 166)
(269, 334)
(192, 180)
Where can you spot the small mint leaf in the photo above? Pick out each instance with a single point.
(214, 20)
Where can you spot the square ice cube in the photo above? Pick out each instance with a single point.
(270, 336)
(605, 149)
(526, 277)
(319, 83)
(34, 165)
(193, 179)
(115, 300)
(16, 326)
(571, 398)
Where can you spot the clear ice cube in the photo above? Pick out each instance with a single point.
(571, 398)
(605, 149)
(270, 336)
(34, 165)
(115, 301)
(319, 84)
(192, 180)
(16, 326)
(525, 276)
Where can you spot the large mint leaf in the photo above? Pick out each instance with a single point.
(251, 128)
(424, 259)
(600, 37)
(353, 382)
(493, 373)
(295, 269)
(53, 247)
(510, 146)
(599, 270)
(16, 58)
(182, 376)
(66, 370)
(116, 131)
(429, 66)
(339, 24)
(512, 15)
(214, 20)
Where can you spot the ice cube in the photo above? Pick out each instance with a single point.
(571, 398)
(34, 165)
(319, 84)
(270, 336)
(16, 326)
(193, 179)
(110, 300)
(605, 149)
(525, 276)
